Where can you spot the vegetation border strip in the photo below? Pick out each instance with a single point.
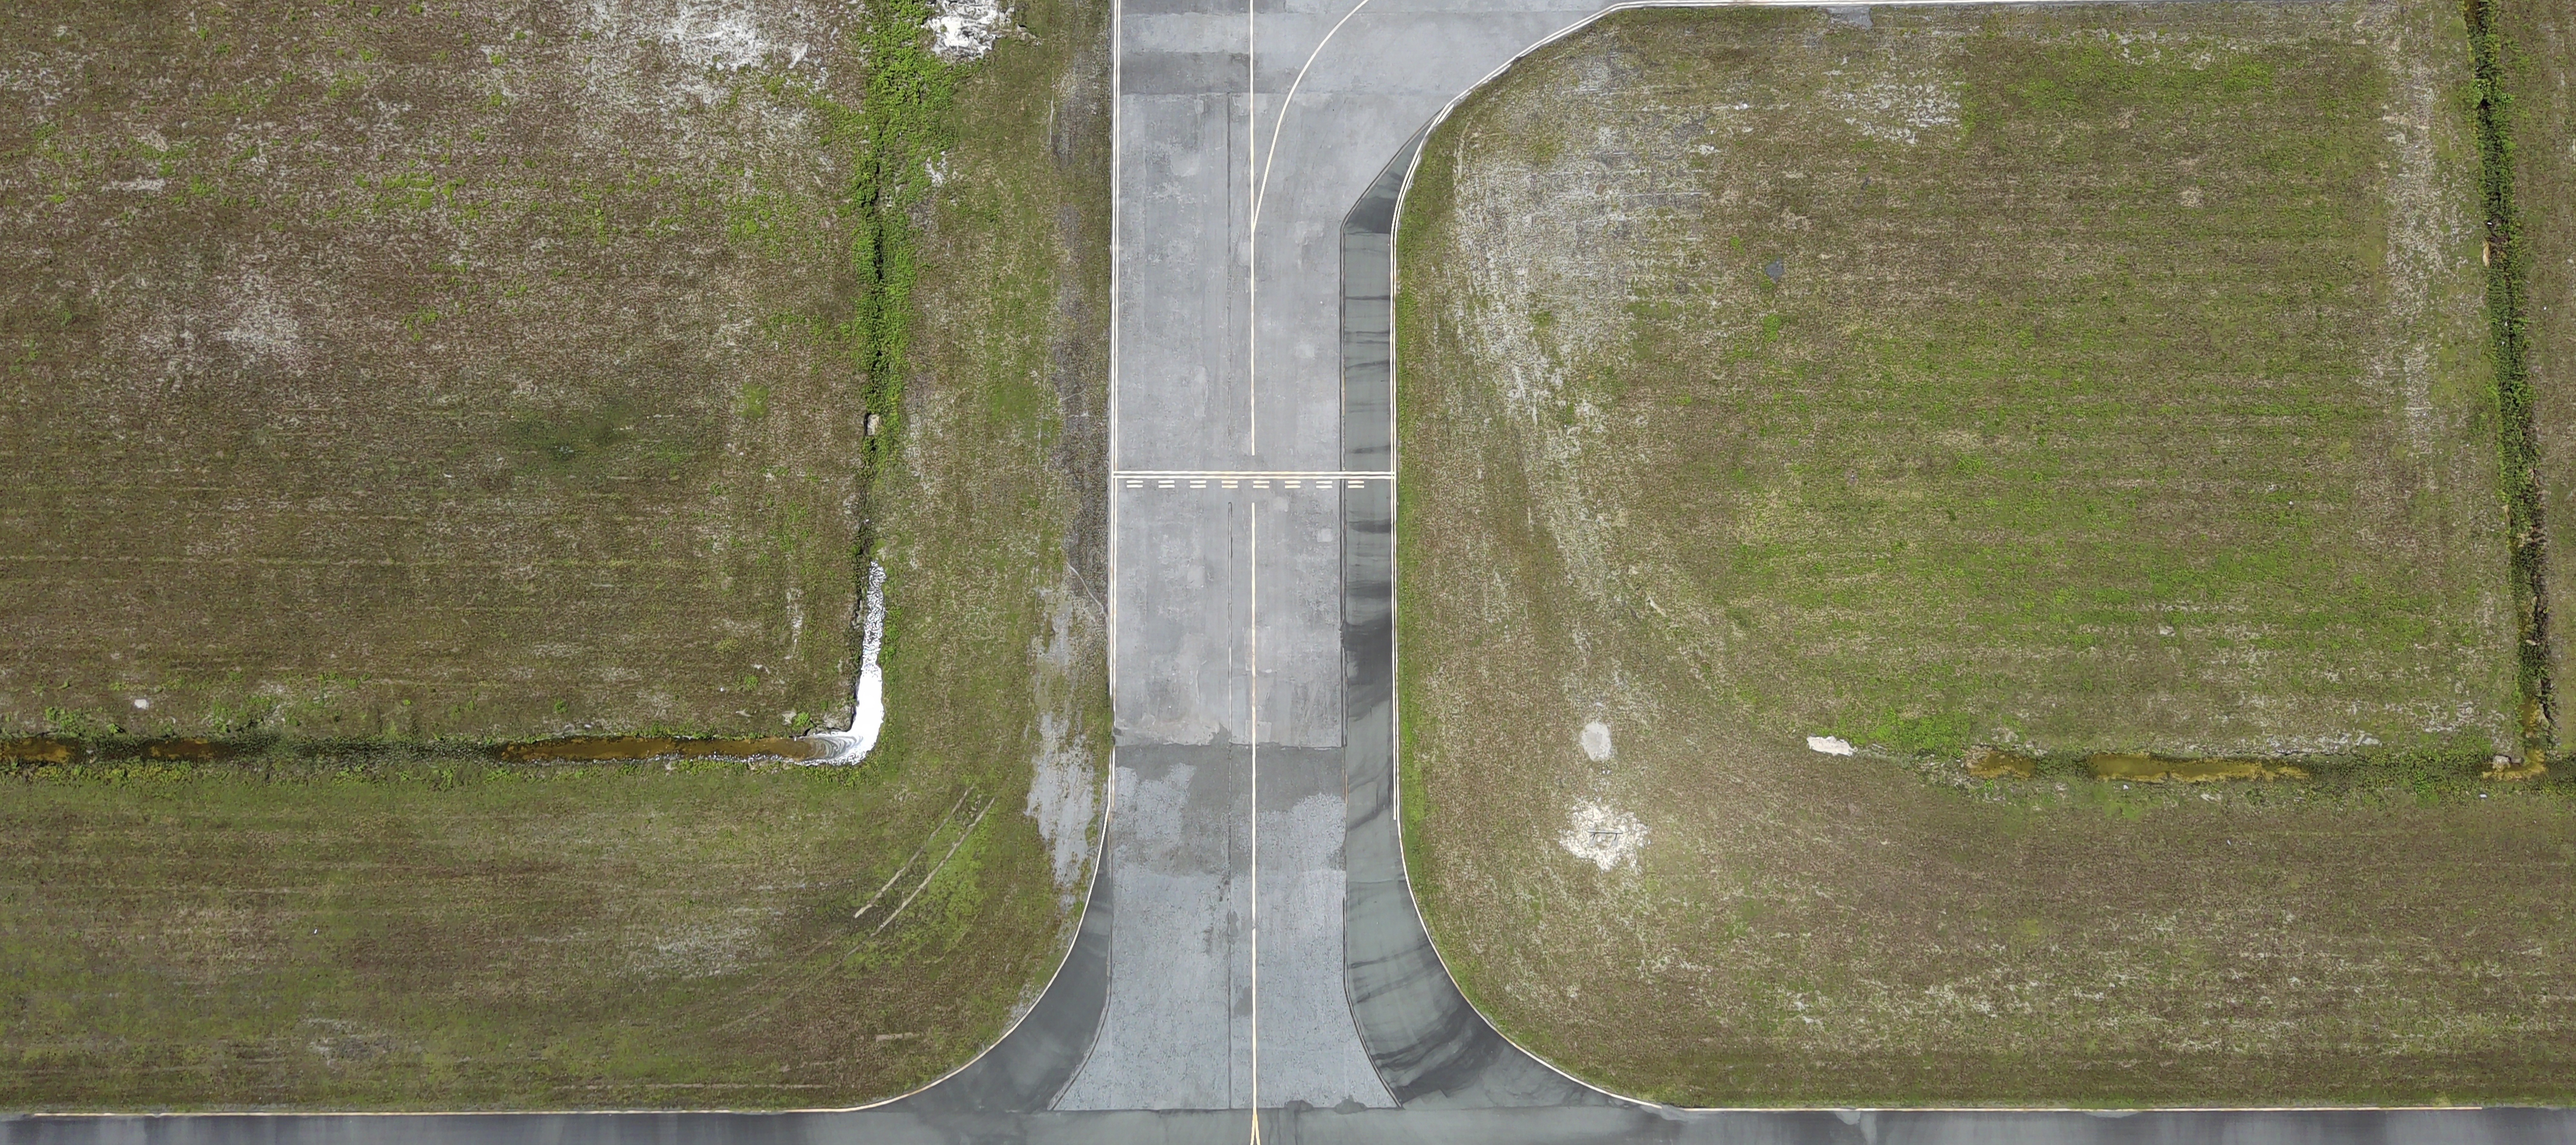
(2518, 438)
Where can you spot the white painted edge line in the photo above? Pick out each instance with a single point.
(1117, 222)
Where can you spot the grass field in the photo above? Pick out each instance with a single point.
(375, 923)
(452, 369)
(2109, 397)
(2077, 380)
(436, 932)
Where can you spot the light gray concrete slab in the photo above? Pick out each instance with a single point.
(1233, 631)
(1183, 622)
(1180, 212)
(1235, 361)
(1231, 601)
(1186, 628)
(1176, 1031)
(1310, 1051)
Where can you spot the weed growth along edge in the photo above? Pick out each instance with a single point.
(2518, 439)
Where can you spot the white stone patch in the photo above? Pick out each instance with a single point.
(1603, 835)
(1064, 794)
(716, 35)
(1063, 798)
(1830, 745)
(965, 29)
(261, 327)
(1595, 739)
(854, 745)
(1898, 112)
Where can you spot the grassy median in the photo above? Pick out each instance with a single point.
(2069, 380)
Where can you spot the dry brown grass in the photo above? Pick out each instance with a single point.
(425, 932)
(2124, 390)
(368, 925)
(425, 370)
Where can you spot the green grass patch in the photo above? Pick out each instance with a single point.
(387, 929)
(2102, 402)
(2518, 434)
(2097, 382)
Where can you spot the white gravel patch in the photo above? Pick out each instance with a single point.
(1064, 794)
(965, 29)
(1595, 740)
(1830, 745)
(854, 745)
(1603, 835)
(718, 35)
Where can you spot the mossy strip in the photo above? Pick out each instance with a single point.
(2518, 439)
(904, 129)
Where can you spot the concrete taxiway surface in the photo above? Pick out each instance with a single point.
(1251, 942)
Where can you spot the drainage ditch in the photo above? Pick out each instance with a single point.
(2518, 440)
